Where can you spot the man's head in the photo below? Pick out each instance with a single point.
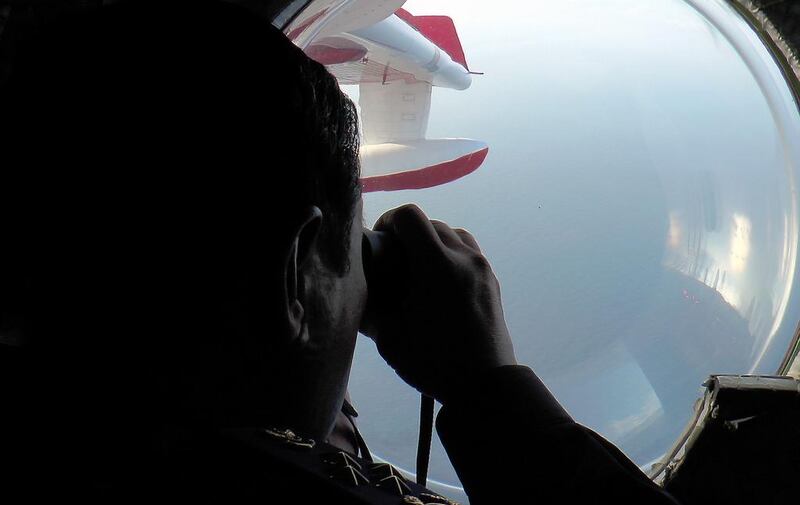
(182, 203)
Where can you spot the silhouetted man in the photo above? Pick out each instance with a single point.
(182, 275)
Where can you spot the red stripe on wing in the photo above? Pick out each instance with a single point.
(428, 177)
(330, 55)
(440, 30)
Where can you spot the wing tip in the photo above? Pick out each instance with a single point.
(441, 30)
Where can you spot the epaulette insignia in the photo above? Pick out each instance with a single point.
(437, 499)
(289, 437)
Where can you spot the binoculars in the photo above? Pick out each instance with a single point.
(383, 261)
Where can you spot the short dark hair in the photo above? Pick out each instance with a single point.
(332, 123)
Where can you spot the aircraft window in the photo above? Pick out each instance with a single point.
(638, 201)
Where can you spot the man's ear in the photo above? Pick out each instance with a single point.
(304, 236)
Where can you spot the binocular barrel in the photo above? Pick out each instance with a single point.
(383, 266)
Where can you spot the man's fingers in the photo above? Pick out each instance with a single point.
(387, 219)
(421, 235)
(412, 228)
(447, 235)
(468, 239)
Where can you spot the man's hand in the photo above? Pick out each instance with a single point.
(444, 324)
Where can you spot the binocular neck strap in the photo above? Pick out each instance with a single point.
(425, 435)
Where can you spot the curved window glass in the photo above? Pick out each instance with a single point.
(638, 203)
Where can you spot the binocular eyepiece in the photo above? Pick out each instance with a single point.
(383, 266)
(376, 247)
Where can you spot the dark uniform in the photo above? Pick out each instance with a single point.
(278, 463)
(509, 441)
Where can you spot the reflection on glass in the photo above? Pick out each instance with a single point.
(740, 243)
(638, 204)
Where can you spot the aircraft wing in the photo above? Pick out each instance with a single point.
(396, 60)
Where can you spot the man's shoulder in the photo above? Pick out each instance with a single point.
(277, 465)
